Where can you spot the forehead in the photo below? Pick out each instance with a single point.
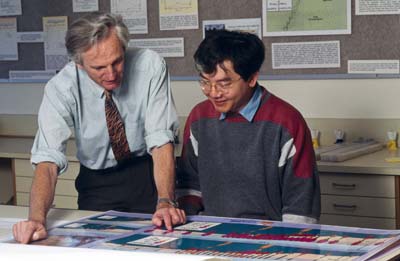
(104, 52)
(225, 70)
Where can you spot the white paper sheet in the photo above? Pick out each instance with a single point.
(31, 75)
(85, 5)
(296, 55)
(178, 14)
(373, 66)
(54, 28)
(166, 47)
(10, 7)
(134, 13)
(8, 36)
(251, 25)
(377, 7)
(30, 37)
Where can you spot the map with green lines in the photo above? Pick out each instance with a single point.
(306, 17)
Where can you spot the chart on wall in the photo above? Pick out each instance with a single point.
(233, 238)
(312, 17)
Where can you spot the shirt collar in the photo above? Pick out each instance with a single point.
(251, 107)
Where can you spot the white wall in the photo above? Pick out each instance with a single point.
(20, 98)
(365, 99)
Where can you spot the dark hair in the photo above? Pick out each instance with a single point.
(88, 30)
(245, 50)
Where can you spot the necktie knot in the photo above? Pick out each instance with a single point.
(108, 94)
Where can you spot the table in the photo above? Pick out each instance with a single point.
(105, 234)
(11, 214)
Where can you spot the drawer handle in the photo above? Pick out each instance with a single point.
(347, 207)
(344, 186)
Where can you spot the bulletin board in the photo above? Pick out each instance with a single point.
(372, 37)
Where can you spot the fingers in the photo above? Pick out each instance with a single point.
(157, 221)
(40, 233)
(170, 216)
(179, 217)
(167, 219)
(27, 231)
(23, 232)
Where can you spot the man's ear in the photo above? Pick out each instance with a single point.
(253, 79)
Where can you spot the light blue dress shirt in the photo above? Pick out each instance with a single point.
(251, 107)
(73, 101)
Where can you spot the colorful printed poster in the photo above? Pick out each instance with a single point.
(232, 238)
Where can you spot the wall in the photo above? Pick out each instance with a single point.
(346, 99)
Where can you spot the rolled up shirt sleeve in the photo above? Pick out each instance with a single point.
(54, 123)
(162, 123)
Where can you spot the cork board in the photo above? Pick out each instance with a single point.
(372, 37)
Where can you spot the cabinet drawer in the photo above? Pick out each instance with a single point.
(23, 168)
(352, 221)
(59, 201)
(357, 185)
(63, 187)
(358, 206)
(22, 199)
(65, 202)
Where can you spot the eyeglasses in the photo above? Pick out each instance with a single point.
(220, 86)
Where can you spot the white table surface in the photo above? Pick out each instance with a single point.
(11, 214)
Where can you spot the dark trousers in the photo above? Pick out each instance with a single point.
(128, 187)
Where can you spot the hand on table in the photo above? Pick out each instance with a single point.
(169, 215)
(28, 231)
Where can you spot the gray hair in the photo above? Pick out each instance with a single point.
(91, 29)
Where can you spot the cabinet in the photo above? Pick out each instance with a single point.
(359, 200)
(65, 195)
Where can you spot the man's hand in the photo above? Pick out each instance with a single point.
(169, 215)
(28, 231)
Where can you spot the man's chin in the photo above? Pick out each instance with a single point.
(110, 86)
(221, 109)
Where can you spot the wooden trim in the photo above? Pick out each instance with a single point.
(14, 181)
(397, 200)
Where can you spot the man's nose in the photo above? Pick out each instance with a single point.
(214, 91)
(110, 72)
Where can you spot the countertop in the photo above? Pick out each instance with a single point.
(19, 147)
(374, 163)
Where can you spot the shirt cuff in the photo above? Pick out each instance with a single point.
(49, 155)
(158, 138)
(298, 219)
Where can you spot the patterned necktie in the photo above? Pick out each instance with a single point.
(116, 130)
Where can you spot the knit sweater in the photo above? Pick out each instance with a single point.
(262, 169)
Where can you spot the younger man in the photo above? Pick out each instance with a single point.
(246, 152)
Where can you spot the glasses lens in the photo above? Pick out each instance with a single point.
(205, 86)
(222, 86)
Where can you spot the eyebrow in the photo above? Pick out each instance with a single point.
(117, 60)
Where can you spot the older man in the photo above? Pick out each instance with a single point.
(118, 102)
